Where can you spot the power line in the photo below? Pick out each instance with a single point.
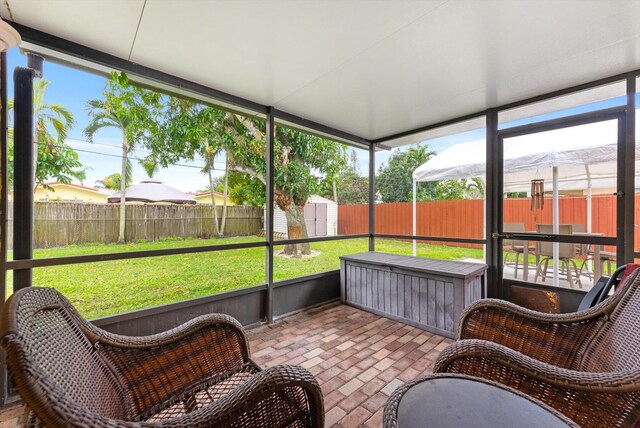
(117, 147)
(128, 157)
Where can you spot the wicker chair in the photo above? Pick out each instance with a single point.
(73, 374)
(584, 364)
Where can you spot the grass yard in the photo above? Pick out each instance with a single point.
(105, 288)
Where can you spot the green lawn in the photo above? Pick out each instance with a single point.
(105, 288)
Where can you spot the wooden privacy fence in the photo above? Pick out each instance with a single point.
(464, 219)
(60, 223)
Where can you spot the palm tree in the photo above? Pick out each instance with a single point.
(150, 165)
(112, 181)
(104, 115)
(82, 174)
(49, 116)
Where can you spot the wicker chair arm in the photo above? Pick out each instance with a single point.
(98, 335)
(552, 338)
(505, 308)
(590, 399)
(451, 358)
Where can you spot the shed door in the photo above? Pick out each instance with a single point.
(321, 219)
(310, 219)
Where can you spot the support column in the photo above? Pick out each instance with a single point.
(8, 37)
(372, 196)
(626, 233)
(556, 227)
(23, 181)
(414, 217)
(4, 379)
(589, 200)
(493, 206)
(268, 221)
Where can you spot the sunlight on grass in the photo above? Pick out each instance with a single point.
(106, 288)
(443, 252)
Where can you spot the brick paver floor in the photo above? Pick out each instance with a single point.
(358, 358)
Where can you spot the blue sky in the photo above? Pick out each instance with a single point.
(72, 88)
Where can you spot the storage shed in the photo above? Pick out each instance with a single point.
(320, 214)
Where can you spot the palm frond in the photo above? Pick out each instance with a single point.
(96, 105)
(96, 124)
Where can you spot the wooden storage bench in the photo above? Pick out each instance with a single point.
(426, 293)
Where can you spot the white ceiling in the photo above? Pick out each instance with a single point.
(371, 68)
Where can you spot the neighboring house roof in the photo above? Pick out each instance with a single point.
(205, 198)
(153, 191)
(54, 184)
(201, 194)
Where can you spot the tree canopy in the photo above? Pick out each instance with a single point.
(113, 181)
(245, 189)
(187, 130)
(54, 158)
(395, 181)
(347, 186)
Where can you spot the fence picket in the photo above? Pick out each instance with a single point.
(59, 224)
(464, 219)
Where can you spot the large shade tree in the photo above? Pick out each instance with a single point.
(128, 109)
(53, 158)
(187, 130)
(301, 161)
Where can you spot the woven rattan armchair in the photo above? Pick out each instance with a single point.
(584, 364)
(73, 374)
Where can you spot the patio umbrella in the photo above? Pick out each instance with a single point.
(575, 158)
(153, 191)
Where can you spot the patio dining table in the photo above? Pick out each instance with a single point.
(597, 271)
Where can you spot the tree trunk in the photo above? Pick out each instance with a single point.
(225, 194)
(123, 188)
(335, 192)
(213, 197)
(296, 228)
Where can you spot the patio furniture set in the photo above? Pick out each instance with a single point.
(578, 369)
(575, 259)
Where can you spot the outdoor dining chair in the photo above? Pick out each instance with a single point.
(584, 364)
(516, 247)
(566, 255)
(73, 374)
